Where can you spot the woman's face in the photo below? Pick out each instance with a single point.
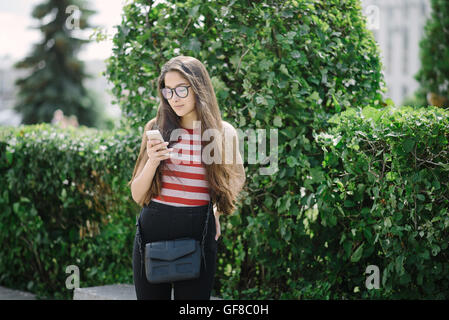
(181, 106)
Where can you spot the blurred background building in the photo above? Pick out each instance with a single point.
(398, 26)
(7, 91)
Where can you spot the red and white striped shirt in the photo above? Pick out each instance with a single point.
(185, 184)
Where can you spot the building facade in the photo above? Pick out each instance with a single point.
(398, 26)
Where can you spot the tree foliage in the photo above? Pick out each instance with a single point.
(56, 74)
(433, 75)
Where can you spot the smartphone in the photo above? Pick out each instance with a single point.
(154, 135)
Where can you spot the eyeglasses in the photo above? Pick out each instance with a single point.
(181, 91)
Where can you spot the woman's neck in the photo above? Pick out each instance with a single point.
(188, 119)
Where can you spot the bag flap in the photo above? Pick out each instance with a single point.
(170, 250)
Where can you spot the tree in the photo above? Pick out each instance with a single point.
(433, 75)
(56, 79)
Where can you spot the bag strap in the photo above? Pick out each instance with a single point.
(204, 234)
(140, 244)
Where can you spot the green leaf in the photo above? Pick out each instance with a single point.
(357, 253)
(408, 145)
(283, 69)
(268, 201)
(404, 279)
(194, 11)
(400, 265)
(15, 207)
(261, 100)
(9, 157)
(277, 121)
(436, 184)
(349, 204)
(347, 247)
(291, 161)
(315, 96)
(371, 113)
(435, 249)
(317, 175)
(425, 255)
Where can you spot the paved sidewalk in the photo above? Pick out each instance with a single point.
(11, 294)
(110, 292)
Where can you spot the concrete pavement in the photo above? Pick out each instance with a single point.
(11, 294)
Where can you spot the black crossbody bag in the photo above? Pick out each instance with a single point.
(172, 260)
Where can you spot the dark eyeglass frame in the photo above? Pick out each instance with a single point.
(176, 91)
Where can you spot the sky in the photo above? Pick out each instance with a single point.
(17, 35)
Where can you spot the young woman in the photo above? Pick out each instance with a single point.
(174, 182)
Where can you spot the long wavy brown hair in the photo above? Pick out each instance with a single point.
(225, 180)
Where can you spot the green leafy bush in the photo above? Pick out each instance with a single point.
(64, 200)
(279, 60)
(286, 65)
(385, 202)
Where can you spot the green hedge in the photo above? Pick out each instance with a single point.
(381, 200)
(64, 200)
(385, 202)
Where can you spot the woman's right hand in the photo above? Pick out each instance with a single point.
(157, 151)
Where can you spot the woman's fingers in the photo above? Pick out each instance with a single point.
(217, 227)
(165, 153)
(158, 150)
(161, 151)
(157, 144)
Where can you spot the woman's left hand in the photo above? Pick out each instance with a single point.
(217, 226)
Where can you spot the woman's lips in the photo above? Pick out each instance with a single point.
(179, 106)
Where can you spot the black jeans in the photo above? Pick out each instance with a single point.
(164, 222)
